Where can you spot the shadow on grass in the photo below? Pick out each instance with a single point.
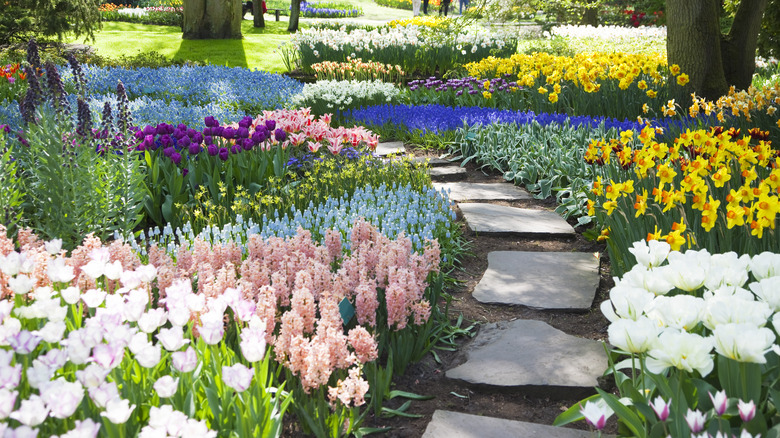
(215, 52)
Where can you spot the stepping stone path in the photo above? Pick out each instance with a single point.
(534, 356)
(542, 280)
(494, 219)
(447, 424)
(528, 356)
(390, 148)
(447, 173)
(462, 191)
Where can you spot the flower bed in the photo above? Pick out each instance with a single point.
(82, 331)
(336, 96)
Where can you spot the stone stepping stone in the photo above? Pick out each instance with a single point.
(532, 356)
(447, 173)
(542, 280)
(490, 218)
(448, 424)
(462, 191)
(432, 162)
(389, 148)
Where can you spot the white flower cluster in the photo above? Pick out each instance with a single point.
(677, 307)
(360, 40)
(344, 94)
(609, 32)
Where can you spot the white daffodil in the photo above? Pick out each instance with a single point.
(681, 350)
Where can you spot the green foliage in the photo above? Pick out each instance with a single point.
(70, 190)
(151, 17)
(11, 190)
(48, 18)
(769, 36)
(555, 46)
(547, 160)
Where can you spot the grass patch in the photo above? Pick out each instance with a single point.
(254, 51)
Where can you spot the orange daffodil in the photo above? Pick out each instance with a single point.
(715, 178)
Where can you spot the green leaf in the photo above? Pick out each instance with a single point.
(573, 413)
(626, 415)
(410, 395)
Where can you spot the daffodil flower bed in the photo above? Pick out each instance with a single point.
(599, 84)
(213, 343)
(669, 313)
(710, 189)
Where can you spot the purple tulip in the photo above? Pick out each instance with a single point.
(246, 122)
(168, 152)
(217, 131)
(182, 127)
(178, 134)
(213, 150)
(247, 144)
(242, 132)
(184, 142)
(197, 138)
(211, 122)
(194, 149)
(191, 132)
(280, 135)
(270, 125)
(229, 133)
(139, 135)
(148, 142)
(166, 141)
(235, 149)
(207, 132)
(5, 128)
(176, 158)
(224, 154)
(258, 137)
(149, 130)
(185, 171)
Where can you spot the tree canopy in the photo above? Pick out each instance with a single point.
(23, 19)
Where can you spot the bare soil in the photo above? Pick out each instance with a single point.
(427, 377)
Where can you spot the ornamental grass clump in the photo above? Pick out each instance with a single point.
(358, 70)
(712, 189)
(624, 83)
(668, 314)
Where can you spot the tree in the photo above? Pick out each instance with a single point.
(24, 19)
(295, 12)
(212, 19)
(712, 60)
(257, 13)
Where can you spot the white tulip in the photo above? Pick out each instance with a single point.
(765, 265)
(633, 336)
(682, 312)
(724, 309)
(743, 342)
(768, 291)
(628, 302)
(650, 254)
(682, 350)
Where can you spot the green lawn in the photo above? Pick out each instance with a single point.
(256, 50)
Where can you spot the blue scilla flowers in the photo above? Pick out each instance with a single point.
(438, 118)
(198, 85)
(393, 210)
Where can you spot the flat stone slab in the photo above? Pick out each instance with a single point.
(390, 148)
(432, 162)
(534, 356)
(447, 173)
(463, 191)
(489, 218)
(543, 280)
(448, 424)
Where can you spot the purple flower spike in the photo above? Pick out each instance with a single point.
(224, 154)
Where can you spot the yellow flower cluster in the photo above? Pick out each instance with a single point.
(357, 69)
(710, 177)
(585, 70)
(746, 103)
(110, 7)
(434, 21)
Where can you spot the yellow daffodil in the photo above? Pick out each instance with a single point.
(641, 204)
(682, 80)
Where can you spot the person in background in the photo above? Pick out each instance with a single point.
(463, 3)
(416, 7)
(445, 4)
(425, 7)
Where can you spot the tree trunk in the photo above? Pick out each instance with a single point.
(295, 12)
(591, 15)
(738, 48)
(713, 61)
(257, 12)
(212, 19)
